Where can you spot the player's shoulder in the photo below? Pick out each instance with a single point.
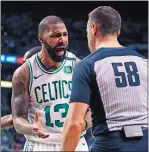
(21, 72)
(33, 57)
(70, 54)
(21, 68)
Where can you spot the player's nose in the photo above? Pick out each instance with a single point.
(62, 39)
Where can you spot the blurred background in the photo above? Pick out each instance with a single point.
(19, 26)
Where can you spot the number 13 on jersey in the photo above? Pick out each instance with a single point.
(57, 108)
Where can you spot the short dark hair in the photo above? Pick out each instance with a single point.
(48, 20)
(108, 19)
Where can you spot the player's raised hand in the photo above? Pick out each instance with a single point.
(37, 127)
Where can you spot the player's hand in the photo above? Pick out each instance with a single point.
(88, 119)
(37, 127)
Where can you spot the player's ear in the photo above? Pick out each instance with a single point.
(40, 37)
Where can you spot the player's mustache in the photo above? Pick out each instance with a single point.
(60, 45)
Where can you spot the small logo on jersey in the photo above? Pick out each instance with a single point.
(31, 148)
(83, 144)
(36, 77)
(68, 69)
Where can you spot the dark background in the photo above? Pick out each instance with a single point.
(75, 14)
(137, 10)
(19, 26)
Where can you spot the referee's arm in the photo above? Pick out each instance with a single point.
(79, 103)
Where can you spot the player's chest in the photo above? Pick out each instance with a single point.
(52, 88)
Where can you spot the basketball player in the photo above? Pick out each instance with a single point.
(114, 79)
(43, 86)
(6, 121)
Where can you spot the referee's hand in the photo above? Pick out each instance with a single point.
(37, 125)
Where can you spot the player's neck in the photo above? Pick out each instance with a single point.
(48, 63)
(107, 42)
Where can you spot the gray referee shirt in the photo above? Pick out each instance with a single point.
(113, 81)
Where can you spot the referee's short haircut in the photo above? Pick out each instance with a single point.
(108, 19)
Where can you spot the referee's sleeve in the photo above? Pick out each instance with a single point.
(81, 84)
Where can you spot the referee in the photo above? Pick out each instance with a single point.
(112, 81)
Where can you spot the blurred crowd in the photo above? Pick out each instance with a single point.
(19, 32)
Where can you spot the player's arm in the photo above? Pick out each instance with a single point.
(20, 101)
(6, 122)
(79, 103)
(88, 123)
(20, 104)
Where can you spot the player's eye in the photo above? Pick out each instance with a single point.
(65, 34)
(56, 35)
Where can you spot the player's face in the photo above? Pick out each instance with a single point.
(90, 37)
(57, 38)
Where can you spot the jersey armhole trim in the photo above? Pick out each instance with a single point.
(73, 61)
(26, 147)
(30, 75)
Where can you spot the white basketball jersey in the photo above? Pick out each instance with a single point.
(49, 96)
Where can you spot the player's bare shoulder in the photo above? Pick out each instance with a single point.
(20, 78)
(20, 92)
(77, 60)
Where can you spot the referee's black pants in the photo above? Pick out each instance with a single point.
(117, 142)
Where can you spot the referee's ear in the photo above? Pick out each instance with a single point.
(118, 33)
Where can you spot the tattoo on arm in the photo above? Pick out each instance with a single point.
(20, 97)
(20, 100)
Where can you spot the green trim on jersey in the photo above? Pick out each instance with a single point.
(26, 147)
(50, 71)
(74, 61)
(30, 74)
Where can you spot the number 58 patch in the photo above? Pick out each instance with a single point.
(129, 76)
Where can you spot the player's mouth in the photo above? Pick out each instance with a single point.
(60, 51)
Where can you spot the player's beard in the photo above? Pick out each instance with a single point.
(52, 52)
